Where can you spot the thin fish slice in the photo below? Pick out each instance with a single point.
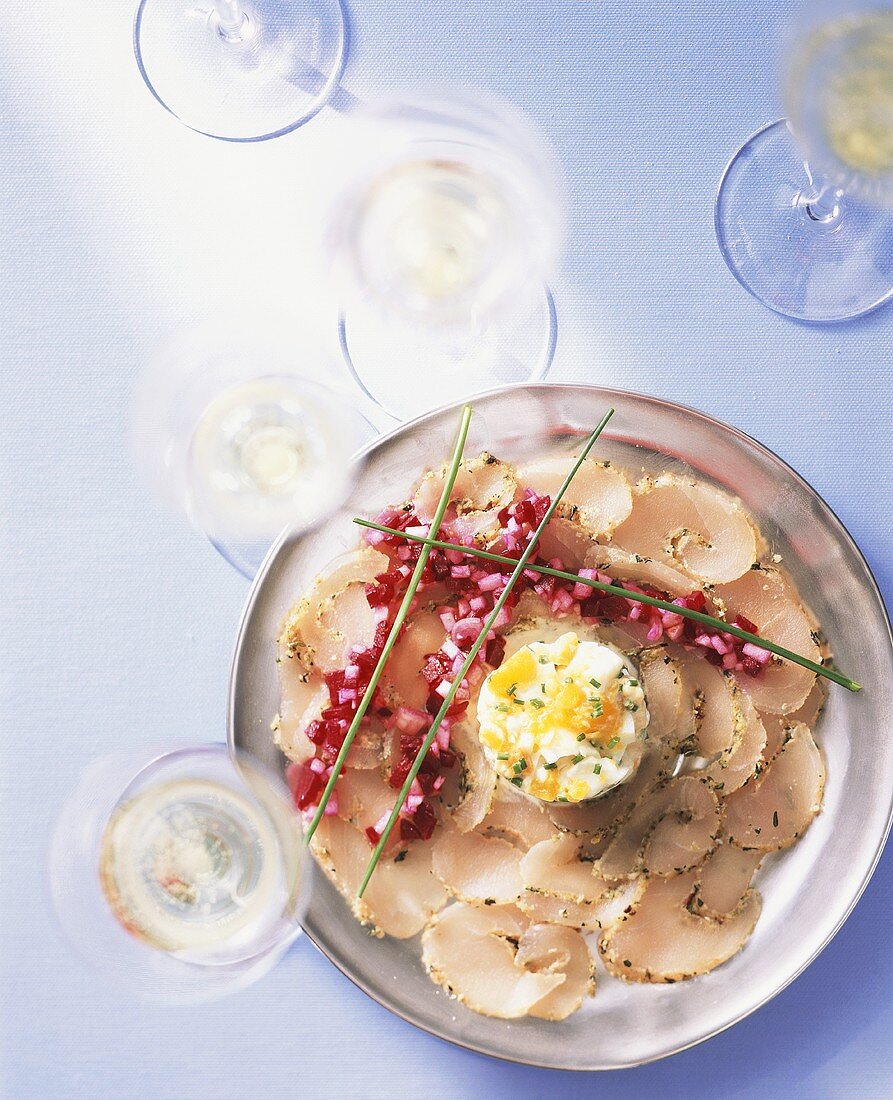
(778, 725)
(723, 879)
(711, 700)
(599, 498)
(550, 949)
(363, 796)
(588, 916)
(550, 909)
(342, 621)
(478, 779)
(660, 940)
(661, 678)
(623, 565)
(562, 867)
(405, 892)
(303, 695)
(475, 868)
(566, 540)
(777, 806)
(358, 567)
(482, 487)
(517, 818)
(671, 829)
(402, 681)
(468, 950)
(684, 523)
(733, 769)
(767, 598)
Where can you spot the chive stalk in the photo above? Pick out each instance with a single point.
(639, 597)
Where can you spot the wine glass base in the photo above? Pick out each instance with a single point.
(409, 369)
(268, 77)
(809, 269)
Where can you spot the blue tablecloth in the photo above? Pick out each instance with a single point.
(119, 225)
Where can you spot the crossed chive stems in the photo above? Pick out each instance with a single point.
(430, 542)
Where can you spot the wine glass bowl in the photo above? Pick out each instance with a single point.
(179, 873)
(245, 436)
(838, 92)
(444, 240)
(800, 216)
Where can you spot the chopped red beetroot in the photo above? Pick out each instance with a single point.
(495, 651)
(418, 825)
(306, 786)
(437, 667)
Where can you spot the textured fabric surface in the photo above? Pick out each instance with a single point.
(118, 225)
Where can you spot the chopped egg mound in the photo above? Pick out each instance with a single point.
(556, 718)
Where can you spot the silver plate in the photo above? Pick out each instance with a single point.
(807, 892)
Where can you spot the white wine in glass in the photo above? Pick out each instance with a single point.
(246, 436)
(240, 70)
(445, 239)
(804, 214)
(179, 874)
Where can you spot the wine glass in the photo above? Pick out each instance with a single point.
(240, 70)
(179, 874)
(444, 239)
(803, 214)
(240, 432)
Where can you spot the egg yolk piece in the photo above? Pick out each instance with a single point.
(556, 718)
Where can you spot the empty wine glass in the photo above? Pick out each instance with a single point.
(240, 70)
(241, 434)
(800, 214)
(444, 239)
(179, 874)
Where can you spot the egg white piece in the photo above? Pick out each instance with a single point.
(556, 719)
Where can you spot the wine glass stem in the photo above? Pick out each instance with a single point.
(821, 200)
(230, 16)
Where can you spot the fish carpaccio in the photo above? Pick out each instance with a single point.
(516, 900)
